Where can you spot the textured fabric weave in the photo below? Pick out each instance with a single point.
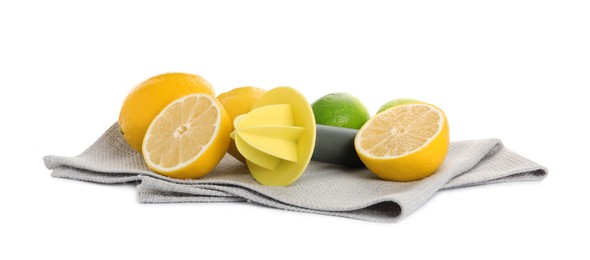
(323, 188)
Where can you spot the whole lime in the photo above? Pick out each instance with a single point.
(397, 102)
(340, 109)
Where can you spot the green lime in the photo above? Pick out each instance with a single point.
(340, 109)
(397, 102)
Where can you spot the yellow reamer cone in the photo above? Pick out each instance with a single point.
(277, 136)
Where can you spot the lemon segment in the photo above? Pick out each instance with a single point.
(188, 138)
(404, 143)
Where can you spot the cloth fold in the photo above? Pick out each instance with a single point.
(323, 188)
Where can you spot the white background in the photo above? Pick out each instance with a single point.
(513, 69)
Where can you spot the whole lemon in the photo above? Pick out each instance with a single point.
(340, 109)
(236, 102)
(147, 99)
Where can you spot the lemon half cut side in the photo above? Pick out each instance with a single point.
(188, 138)
(404, 143)
(146, 100)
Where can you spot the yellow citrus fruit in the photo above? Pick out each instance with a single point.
(404, 143)
(236, 102)
(147, 99)
(188, 138)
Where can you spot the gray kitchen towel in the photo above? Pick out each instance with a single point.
(322, 189)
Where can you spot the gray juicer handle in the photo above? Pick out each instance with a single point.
(336, 145)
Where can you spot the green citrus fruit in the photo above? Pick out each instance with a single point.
(397, 102)
(340, 109)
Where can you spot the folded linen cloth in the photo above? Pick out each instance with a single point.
(322, 189)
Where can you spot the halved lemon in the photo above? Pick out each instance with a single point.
(145, 101)
(404, 143)
(188, 138)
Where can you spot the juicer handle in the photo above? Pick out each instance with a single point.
(336, 145)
